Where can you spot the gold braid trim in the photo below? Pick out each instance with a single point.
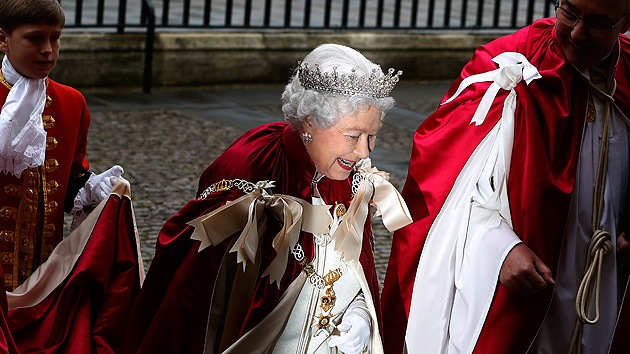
(4, 81)
(6, 84)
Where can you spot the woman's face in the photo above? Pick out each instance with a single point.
(337, 149)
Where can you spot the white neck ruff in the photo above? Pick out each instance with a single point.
(22, 138)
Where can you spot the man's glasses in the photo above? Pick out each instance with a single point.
(594, 28)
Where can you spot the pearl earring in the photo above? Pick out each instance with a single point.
(307, 137)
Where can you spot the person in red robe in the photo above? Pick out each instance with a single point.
(518, 188)
(234, 272)
(44, 125)
(44, 172)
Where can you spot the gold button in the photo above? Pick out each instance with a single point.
(25, 242)
(13, 190)
(51, 143)
(30, 193)
(6, 213)
(53, 186)
(22, 273)
(25, 257)
(26, 226)
(51, 165)
(6, 236)
(49, 121)
(28, 209)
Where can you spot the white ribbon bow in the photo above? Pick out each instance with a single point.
(513, 67)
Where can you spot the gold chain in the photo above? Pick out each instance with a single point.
(327, 301)
(4, 81)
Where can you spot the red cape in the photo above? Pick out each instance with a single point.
(88, 311)
(548, 127)
(171, 313)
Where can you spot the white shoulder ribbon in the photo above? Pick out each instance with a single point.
(513, 67)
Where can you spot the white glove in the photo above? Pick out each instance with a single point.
(96, 188)
(99, 186)
(356, 324)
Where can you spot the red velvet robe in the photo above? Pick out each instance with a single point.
(549, 119)
(89, 311)
(171, 312)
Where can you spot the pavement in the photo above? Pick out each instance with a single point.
(164, 141)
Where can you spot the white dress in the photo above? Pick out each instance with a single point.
(306, 331)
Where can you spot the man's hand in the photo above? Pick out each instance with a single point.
(523, 272)
(623, 250)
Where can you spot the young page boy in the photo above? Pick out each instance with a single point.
(63, 295)
(43, 138)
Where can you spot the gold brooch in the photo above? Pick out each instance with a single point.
(324, 321)
(340, 209)
(328, 300)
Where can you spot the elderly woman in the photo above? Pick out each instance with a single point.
(286, 266)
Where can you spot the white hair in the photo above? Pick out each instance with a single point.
(325, 109)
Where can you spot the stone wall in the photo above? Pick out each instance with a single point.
(113, 60)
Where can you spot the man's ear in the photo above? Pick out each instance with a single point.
(4, 43)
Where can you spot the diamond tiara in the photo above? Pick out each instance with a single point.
(348, 84)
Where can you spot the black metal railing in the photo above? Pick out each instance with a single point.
(147, 17)
(307, 14)
(150, 16)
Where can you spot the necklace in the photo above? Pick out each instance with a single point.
(316, 178)
(327, 301)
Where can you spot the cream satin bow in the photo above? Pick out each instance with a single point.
(374, 188)
(244, 214)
